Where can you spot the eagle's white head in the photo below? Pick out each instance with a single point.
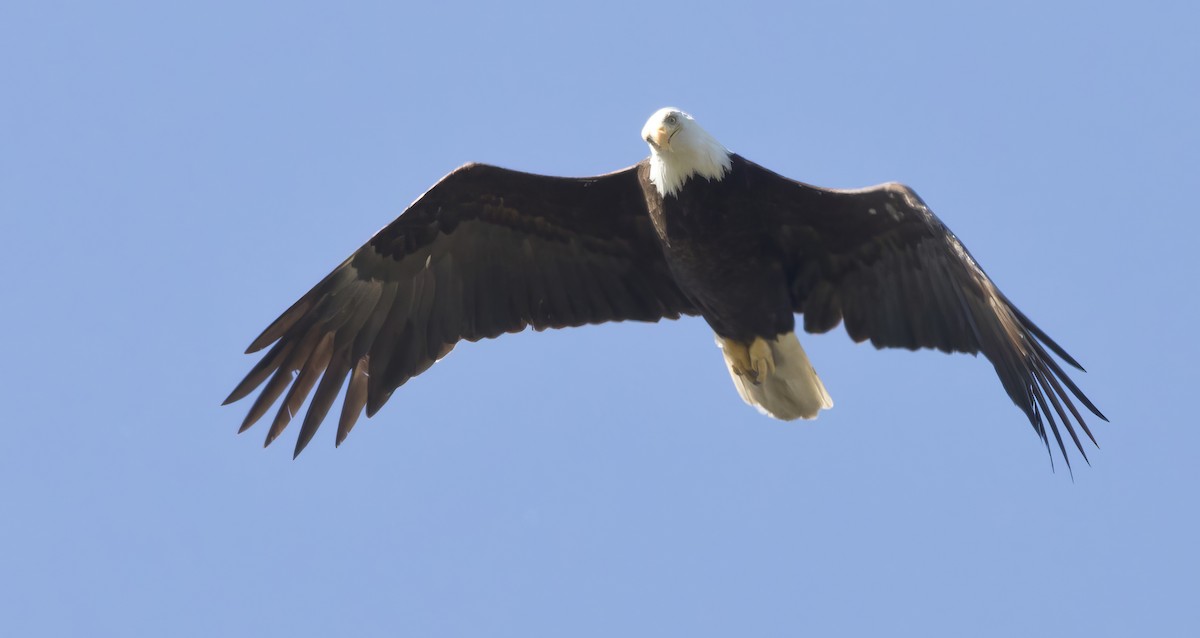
(679, 149)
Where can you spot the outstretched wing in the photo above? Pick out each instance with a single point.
(484, 252)
(882, 262)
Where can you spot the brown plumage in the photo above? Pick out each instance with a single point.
(486, 251)
(489, 250)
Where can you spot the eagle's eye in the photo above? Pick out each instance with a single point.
(671, 119)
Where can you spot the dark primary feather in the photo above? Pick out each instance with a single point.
(486, 251)
(880, 261)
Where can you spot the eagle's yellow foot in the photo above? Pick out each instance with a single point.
(754, 362)
(762, 362)
(739, 357)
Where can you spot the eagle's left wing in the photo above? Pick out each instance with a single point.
(882, 262)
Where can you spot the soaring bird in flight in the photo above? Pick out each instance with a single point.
(691, 230)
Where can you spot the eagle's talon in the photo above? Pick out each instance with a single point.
(762, 361)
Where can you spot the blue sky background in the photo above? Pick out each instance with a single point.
(173, 176)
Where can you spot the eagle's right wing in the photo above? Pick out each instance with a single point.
(485, 251)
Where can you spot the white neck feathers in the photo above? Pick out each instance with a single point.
(692, 152)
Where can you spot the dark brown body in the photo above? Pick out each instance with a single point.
(743, 294)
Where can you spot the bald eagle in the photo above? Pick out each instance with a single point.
(691, 230)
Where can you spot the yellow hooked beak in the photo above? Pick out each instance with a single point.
(659, 139)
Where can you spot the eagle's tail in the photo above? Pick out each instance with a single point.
(792, 391)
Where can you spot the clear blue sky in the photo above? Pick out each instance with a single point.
(172, 177)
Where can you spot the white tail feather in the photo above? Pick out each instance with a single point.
(792, 391)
